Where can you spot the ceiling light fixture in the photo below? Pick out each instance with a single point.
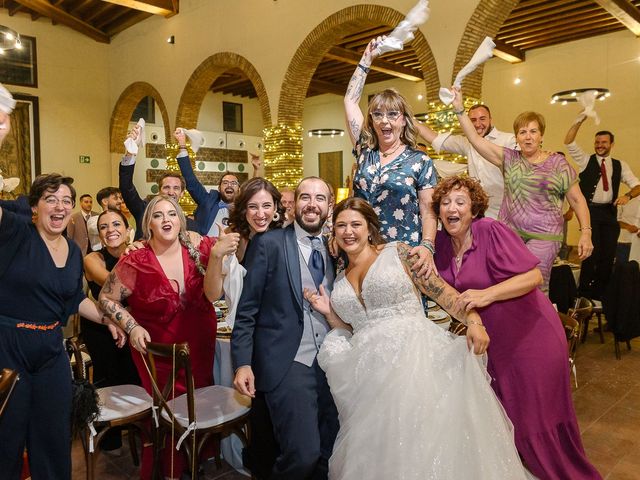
(567, 96)
(9, 39)
(326, 132)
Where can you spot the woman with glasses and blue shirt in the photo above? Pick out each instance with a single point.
(391, 174)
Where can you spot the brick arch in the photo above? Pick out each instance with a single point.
(486, 20)
(329, 32)
(124, 108)
(203, 77)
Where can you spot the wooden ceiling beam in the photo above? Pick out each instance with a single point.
(222, 84)
(165, 8)
(508, 53)
(558, 10)
(365, 35)
(133, 18)
(543, 8)
(576, 25)
(546, 22)
(43, 7)
(98, 10)
(327, 87)
(553, 39)
(626, 13)
(14, 8)
(80, 6)
(349, 56)
(112, 19)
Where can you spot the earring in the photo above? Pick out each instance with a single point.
(370, 239)
(276, 217)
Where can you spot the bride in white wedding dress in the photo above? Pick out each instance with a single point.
(414, 402)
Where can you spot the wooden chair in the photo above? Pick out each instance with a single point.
(8, 380)
(572, 331)
(127, 406)
(198, 414)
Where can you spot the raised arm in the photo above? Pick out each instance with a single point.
(194, 187)
(111, 297)
(573, 131)
(354, 115)
(447, 297)
(425, 132)
(488, 151)
(227, 244)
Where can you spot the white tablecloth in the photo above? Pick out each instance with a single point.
(223, 375)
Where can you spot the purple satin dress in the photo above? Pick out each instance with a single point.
(527, 358)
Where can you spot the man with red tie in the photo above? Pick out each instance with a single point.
(600, 177)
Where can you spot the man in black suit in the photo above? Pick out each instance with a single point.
(277, 336)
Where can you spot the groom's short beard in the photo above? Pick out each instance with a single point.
(314, 227)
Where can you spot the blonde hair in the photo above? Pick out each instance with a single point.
(389, 99)
(183, 236)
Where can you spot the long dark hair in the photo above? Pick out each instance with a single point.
(238, 211)
(363, 208)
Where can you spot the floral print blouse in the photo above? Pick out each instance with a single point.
(392, 190)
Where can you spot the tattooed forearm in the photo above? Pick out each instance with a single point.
(130, 325)
(108, 284)
(434, 287)
(355, 128)
(356, 85)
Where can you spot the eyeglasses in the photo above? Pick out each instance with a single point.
(54, 201)
(392, 116)
(232, 183)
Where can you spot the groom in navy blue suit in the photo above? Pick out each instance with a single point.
(276, 336)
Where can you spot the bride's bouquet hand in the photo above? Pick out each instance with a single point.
(319, 300)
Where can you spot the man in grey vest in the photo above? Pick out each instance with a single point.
(276, 335)
(600, 177)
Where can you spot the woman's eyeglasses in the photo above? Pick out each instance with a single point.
(54, 201)
(392, 116)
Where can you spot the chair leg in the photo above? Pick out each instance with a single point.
(89, 456)
(600, 328)
(617, 348)
(585, 330)
(132, 446)
(628, 344)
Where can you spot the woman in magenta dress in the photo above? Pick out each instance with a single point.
(169, 286)
(527, 356)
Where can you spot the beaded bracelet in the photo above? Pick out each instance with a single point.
(584, 228)
(428, 244)
(459, 112)
(472, 322)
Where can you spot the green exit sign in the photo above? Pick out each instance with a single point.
(85, 159)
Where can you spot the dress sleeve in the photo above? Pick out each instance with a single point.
(127, 269)
(567, 175)
(72, 305)
(507, 254)
(427, 177)
(13, 232)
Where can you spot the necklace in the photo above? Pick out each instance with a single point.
(387, 154)
(50, 244)
(463, 248)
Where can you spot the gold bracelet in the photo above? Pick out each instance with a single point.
(584, 228)
(472, 322)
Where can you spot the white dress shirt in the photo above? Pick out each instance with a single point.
(600, 196)
(489, 175)
(629, 213)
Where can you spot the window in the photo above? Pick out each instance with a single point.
(145, 109)
(20, 66)
(232, 117)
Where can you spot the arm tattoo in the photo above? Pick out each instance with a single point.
(108, 284)
(119, 316)
(355, 128)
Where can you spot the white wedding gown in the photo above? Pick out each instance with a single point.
(413, 402)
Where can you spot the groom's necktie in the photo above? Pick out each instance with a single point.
(316, 263)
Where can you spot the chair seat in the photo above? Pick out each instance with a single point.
(121, 401)
(214, 405)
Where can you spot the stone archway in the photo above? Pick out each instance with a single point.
(283, 155)
(203, 77)
(486, 20)
(124, 108)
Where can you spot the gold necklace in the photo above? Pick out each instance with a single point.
(50, 244)
(387, 154)
(460, 253)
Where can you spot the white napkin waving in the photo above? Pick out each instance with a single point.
(232, 285)
(196, 139)
(132, 145)
(588, 101)
(7, 103)
(403, 33)
(483, 53)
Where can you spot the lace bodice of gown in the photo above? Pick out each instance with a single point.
(387, 293)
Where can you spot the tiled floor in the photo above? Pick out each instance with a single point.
(607, 402)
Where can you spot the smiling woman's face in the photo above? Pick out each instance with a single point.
(455, 212)
(165, 222)
(53, 210)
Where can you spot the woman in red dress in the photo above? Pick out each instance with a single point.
(169, 286)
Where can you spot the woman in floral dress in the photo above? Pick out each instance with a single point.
(391, 174)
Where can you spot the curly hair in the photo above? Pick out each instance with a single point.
(183, 236)
(389, 99)
(366, 210)
(49, 182)
(238, 211)
(479, 199)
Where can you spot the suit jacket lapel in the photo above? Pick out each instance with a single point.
(292, 260)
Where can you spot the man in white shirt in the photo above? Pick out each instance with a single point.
(629, 221)
(77, 228)
(489, 175)
(600, 178)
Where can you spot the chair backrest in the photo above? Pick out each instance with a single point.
(74, 348)
(179, 353)
(582, 309)
(8, 380)
(572, 331)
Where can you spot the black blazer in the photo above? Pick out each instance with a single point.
(269, 320)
